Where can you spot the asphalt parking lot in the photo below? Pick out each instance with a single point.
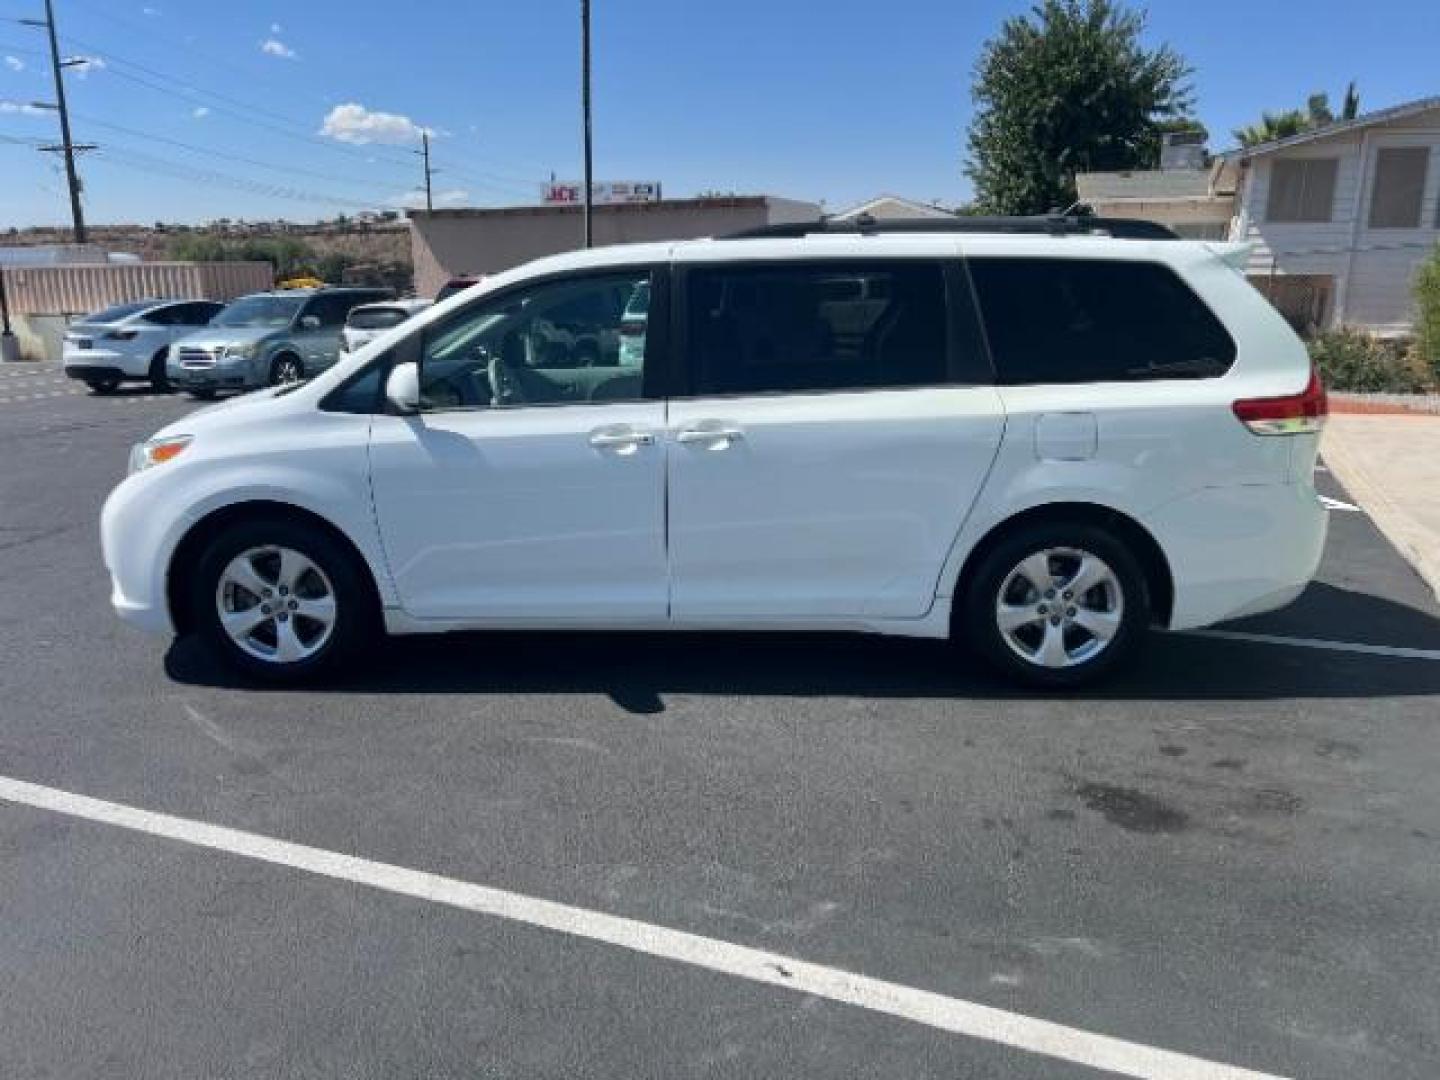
(1229, 857)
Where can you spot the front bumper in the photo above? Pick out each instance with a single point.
(1239, 550)
(137, 544)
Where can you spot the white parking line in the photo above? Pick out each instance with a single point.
(756, 965)
(1320, 643)
(1335, 504)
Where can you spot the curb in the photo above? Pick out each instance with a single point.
(1417, 544)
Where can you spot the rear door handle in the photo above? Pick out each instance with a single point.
(710, 432)
(620, 438)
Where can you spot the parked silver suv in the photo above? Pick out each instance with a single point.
(266, 339)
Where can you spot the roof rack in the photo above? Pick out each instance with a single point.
(1038, 225)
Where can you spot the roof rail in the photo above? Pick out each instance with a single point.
(1038, 225)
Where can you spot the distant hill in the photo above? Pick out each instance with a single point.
(361, 251)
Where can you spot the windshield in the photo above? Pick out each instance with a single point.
(273, 311)
(120, 311)
(377, 318)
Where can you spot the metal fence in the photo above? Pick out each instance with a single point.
(80, 289)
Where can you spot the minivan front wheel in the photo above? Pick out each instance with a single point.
(280, 601)
(286, 368)
(1057, 605)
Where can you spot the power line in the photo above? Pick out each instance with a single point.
(143, 162)
(293, 128)
(289, 170)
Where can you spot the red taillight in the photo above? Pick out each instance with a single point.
(1297, 414)
(633, 328)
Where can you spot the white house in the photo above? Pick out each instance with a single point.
(891, 206)
(1342, 216)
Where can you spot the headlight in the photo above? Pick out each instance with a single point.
(241, 352)
(157, 451)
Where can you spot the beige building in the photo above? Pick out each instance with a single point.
(1185, 199)
(453, 243)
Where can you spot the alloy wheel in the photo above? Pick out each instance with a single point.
(1060, 607)
(276, 604)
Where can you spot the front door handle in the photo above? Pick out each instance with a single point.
(620, 438)
(711, 431)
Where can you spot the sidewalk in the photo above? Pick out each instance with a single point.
(1391, 465)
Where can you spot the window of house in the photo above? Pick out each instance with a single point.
(1092, 320)
(1399, 187)
(1302, 189)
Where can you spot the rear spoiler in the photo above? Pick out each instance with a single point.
(1235, 254)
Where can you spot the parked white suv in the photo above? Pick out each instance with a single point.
(1036, 439)
(131, 341)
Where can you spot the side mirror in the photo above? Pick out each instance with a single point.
(402, 389)
(309, 322)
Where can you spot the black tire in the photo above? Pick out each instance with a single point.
(356, 622)
(159, 380)
(202, 394)
(282, 367)
(978, 620)
(103, 386)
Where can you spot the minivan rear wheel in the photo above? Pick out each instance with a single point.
(1057, 605)
(280, 601)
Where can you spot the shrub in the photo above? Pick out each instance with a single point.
(1427, 314)
(1353, 360)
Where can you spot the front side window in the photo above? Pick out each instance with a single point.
(1094, 320)
(1302, 189)
(332, 309)
(816, 326)
(1399, 187)
(566, 341)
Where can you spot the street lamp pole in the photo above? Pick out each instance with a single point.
(585, 112)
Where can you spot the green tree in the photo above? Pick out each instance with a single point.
(1351, 108)
(1068, 88)
(1427, 315)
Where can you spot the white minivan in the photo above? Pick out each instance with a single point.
(1040, 437)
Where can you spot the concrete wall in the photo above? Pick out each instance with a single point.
(450, 243)
(81, 289)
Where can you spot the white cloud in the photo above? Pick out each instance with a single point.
(14, 63)
(200, 112)
(276, 28)
(150, 12)
(353, 123)
(273, 47)
(415, 200)
(83, 65)
(21, 107)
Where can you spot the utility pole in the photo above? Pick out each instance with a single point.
(425, 150)
(585, 111)
(67, 147)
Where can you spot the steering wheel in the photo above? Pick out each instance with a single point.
(505, 388)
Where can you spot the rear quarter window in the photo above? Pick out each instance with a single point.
(1095, 320)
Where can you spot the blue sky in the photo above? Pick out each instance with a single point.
(818, 100)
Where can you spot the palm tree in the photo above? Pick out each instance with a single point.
(1282, 125)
